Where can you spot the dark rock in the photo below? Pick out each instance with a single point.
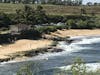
(4, 60)
(69, 41)
(58, 50)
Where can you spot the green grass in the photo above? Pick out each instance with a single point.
(51, 9)
(9, 8)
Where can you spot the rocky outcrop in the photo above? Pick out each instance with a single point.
(31, 53)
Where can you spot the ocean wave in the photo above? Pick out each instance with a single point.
(90, 67)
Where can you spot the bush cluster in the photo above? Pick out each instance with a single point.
(34, 17)
(48, 29)
(5, 21)
(82, 24)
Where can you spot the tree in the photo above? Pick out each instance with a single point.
(33, 1)
(89, 4)
(70, 23)
(95, 4)
(80, 2)
(82, 24)
(83, 11)
(30, 16)
(25, 16)
(43, 1)
(73, 2)
(40, 15)
(5, 21)
(69, 2)
(51, 1)
(26, 1)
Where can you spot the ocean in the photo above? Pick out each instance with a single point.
(85, 47)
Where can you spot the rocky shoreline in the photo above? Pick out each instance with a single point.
(31, 53)
(52, 48)
(34, 52)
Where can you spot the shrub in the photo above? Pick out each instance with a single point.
(5, 21)
(46, 29)
(28, 15)
(70, 24)
(30, 34)
(91, 24)
(76, 17)
(25, 71)
(25, 15)
(30, 69)
(81, 24)
(55, 18)
(78, 68)
(40, 15)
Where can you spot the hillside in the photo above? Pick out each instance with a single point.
(51, 9)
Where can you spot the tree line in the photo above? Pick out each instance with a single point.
(28, 23)
(37, 16)
(64, 2)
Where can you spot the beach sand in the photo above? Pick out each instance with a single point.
(27, 45)
(74, 32)
(22, 45)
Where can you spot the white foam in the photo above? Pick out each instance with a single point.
(73, 47)
(3, 63)
(92, 36)
(68, 48)
(89, 41)
(90, 67)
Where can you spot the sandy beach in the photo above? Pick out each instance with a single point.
(22, 45)
(27, 45)
(74, 32)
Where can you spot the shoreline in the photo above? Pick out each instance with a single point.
(74, 33)
(19, 55)
(17, 49)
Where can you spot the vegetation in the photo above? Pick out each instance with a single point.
(5, 21)
(34, 17)
(43, 20)
(51, 9)
(78, 68)
(67, 2)
(26, 70)
(29, 22)
(30, 16)
(81, 24)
